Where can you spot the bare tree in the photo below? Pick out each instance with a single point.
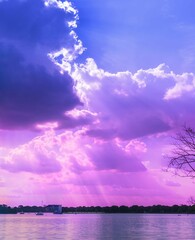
(182, 156)
(191, 200)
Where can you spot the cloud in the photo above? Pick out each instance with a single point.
(117, 117)
(73, 152)
(36, 156)
(106, 156)
(135, 105)
(184, 86)
(34, 27)
(32, 91)
(35, 47)
(30, 94)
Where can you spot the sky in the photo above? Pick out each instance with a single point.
(90, 94)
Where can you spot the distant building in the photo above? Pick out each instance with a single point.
(56, 209)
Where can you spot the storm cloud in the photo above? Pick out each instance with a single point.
(32, 91)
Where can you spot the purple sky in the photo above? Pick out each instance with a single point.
(88, 101)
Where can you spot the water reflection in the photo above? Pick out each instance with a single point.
(97, 226)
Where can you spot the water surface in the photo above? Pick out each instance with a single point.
(97, 226)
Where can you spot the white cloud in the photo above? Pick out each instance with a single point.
(65, 5)
(184, 83)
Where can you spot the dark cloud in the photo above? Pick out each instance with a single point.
(29, 23)
(145, 126)
(30, 94)
(31, 88)
(132, 126)
(102, 133)
(109, 156)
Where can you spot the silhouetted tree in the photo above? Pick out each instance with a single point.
(191, 200)
(182, 156)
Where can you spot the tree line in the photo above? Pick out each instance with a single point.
(175, 209)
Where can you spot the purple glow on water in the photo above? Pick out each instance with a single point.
(97, 226)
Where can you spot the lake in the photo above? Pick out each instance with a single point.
(97, 226)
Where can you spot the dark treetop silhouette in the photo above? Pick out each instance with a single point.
(182, 156)
(175, 209)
